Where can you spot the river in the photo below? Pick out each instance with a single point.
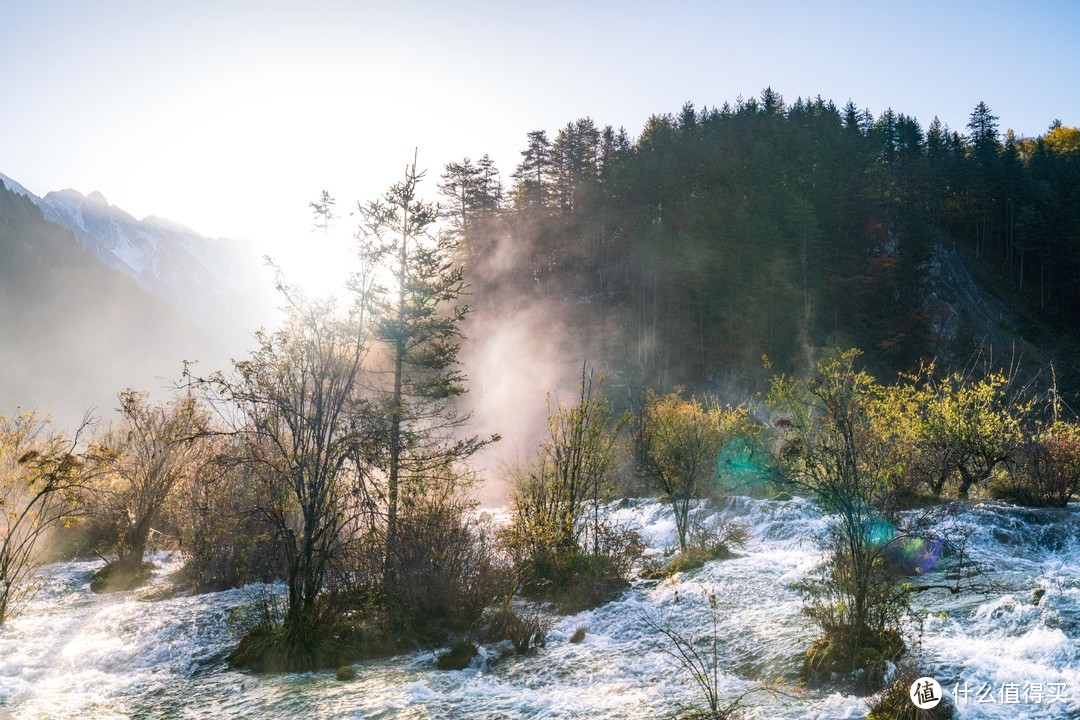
(142, 654)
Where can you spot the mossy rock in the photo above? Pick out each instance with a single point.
(781, 497)
(690, 559)
(271, 648)
(827, 657)
(345, 673)
(116, 577)
(578, 636)
(458, 656)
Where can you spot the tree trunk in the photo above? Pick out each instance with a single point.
(396, 409)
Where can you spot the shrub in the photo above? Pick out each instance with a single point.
(458, 656)
(854, 638)
(526, 627)
(681, 440)
(444, 569)
(142, 460)
(227, 540)
(841, 651)
(41, 488)
(561, 547)
(838, 442)
(119, 575)
(328, 638)
(1046, 471)
(584, 582)
(707, 541)
(699, 658)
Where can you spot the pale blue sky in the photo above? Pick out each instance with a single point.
(230, 117)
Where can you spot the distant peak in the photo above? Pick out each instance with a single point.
(96, 198)
(66, 193)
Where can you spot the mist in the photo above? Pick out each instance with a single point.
(527, 343)
(74, 331)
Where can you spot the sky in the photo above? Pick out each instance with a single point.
(230, 117)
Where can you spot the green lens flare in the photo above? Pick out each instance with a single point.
(742, 463)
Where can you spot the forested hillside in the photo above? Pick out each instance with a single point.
(722, 234)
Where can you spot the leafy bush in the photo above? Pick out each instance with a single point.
(837, 442)
(681, 440)
(561, 547)
(1046, 471)
(577, 580)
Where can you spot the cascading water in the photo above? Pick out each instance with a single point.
(76, 654)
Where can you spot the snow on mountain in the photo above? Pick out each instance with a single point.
(17, 188)
(217, 283)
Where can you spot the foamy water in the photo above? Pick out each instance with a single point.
(76, 654)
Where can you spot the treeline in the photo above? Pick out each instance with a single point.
(721, 234)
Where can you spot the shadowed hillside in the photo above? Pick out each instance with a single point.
(72, 331)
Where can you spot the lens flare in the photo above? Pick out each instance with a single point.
(913, 550)
(741, 464)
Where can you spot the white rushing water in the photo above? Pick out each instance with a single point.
(75, 654)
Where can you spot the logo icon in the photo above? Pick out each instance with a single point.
(925, 693)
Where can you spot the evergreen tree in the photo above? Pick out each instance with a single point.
(489, 194)
(771, 102)
(984, 128)
(462, 185)
(533, 173)
(418, 326)
(984, 179)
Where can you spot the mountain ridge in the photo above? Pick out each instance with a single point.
(214, 283)
(73, 331)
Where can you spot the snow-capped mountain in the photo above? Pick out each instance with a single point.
(216, 283)
(74, 331)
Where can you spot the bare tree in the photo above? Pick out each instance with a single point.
(42, 478)
(142, 458)
(296, 404)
